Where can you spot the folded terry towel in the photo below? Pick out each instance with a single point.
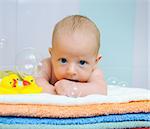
(105, 125)
(119, 100)
(116, 94)
(140, 128)
(41, 110)
(76, 121)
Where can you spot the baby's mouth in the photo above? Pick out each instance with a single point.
(73, 80)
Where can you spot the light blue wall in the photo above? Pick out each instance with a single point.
(116, 18)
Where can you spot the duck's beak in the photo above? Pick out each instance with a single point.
(25, 83)
(15, 82)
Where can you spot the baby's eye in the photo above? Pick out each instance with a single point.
(83, 62)
(63, 61)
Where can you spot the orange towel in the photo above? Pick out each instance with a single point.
(47, 110)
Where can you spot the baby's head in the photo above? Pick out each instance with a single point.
(75, 46)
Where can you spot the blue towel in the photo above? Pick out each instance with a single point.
(76, 121)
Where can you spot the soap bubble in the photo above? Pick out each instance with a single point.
(28, 62)
(123, 84)
(75, 92)
(3, 50)
(112, 81)
(2, 42)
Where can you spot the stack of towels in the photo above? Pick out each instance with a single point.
(123, 107)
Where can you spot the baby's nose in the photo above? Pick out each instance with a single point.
(71, 69)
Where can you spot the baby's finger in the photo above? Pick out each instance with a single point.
(59, 90)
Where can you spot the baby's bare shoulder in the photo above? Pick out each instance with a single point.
(96, 74)
(46, 60)
(46, 63)
(49, 70)
(97, 71)
(46, 67)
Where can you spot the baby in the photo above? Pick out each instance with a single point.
(71, 70)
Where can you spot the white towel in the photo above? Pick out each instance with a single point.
(116, 94)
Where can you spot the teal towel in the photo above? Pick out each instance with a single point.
(107, 125)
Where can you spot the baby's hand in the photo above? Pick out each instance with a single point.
(67, 88)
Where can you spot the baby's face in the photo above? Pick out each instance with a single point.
(74, 57)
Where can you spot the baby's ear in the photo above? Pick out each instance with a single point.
(50, 51)
(98, 58)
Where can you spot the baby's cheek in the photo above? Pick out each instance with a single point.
(59, 74)
(84, 76)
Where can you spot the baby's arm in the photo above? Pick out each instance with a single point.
(95, 85)
(44, 77)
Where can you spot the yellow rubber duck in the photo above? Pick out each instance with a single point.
(29, 86)
(15, 78)
(8, 84)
